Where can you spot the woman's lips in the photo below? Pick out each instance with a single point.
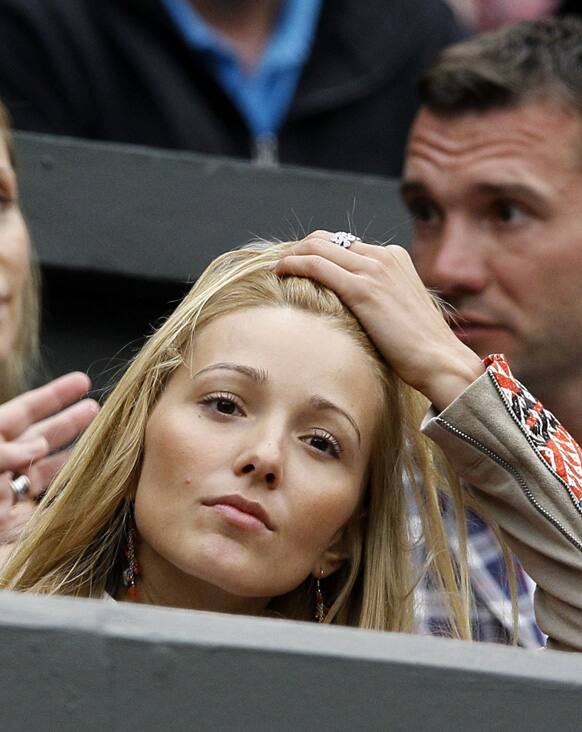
(241, 512)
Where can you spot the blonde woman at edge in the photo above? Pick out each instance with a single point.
(253, 458)
(32, 426)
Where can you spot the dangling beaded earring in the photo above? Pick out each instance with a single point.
(321, 608)
(131, 573)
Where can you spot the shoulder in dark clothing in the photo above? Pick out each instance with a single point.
(119, 70)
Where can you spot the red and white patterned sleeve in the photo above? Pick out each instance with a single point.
(552, 443)
(525, 469)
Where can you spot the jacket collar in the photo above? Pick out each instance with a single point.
(358, 46)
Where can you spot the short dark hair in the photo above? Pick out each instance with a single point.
(507, 68)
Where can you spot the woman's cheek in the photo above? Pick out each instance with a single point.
(327, 512)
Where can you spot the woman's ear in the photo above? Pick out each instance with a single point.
(333, 556)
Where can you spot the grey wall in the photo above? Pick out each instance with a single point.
(91, 665)
(163, 215)
(120, 230)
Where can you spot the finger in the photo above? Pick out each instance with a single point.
(323, 237)
(359, 258)
(316, 246)
(22, 411)
(9, 501)
(40, 474)
(64, 427)
(345, 284)
(7, 497)
(19, 455)
(363, 258)
(43, 472)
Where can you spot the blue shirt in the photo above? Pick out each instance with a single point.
(264, 95)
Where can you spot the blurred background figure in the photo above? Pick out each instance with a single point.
(19, 318)
(37, 426)
(330, 84)
(488, 14)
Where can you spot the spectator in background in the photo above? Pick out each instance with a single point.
(325, 84)
(485, 15)
(36, 425)
(494, 183)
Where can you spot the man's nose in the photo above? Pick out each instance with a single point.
(454, 263)
(262, 458)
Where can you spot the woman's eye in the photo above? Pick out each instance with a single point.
(324, 442)
(226, 406)
(223, 404)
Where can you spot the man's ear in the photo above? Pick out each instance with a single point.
(332, 558)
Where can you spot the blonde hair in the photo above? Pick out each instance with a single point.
(16, 368)
(74, 543)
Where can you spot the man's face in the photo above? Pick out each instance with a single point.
(497, 203)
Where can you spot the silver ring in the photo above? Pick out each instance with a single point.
(344, 239)
(20, 487)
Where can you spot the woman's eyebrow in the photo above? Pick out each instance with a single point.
(260, 376)
(323, 403)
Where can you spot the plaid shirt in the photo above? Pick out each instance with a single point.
(492, 619)
(553, 445)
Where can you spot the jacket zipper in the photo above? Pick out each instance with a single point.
(519, 479)
(266, 150)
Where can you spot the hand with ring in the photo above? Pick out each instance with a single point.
(381, 287)
(20, 486)
(35, 429)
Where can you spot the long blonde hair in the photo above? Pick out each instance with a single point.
(17, 367)
(74, 543)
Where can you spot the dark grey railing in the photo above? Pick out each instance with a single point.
(120, 229)
(95, 665)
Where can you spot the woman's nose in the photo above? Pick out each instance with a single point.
(263, 461)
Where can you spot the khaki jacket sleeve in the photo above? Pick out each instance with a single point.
(526, 471)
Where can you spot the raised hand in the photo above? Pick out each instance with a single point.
(34, 429)
(383, 290)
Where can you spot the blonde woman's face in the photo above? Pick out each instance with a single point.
(14, 255)
(255, 458)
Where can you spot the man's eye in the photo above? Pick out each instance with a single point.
(424, 211)
(508, 212)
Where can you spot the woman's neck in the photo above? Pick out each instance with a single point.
(247, 24)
